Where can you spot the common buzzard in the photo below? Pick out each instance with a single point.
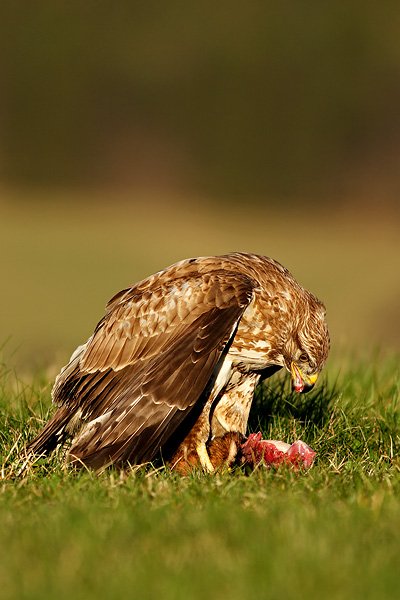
(171, 368)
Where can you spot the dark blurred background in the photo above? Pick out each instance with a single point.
(133, 134)
(258, 98)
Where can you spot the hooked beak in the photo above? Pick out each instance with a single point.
(300, 381)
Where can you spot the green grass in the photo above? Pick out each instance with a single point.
(331, 532)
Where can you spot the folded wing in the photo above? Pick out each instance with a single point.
(149, 365)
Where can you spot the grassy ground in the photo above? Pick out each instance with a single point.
(331, 532)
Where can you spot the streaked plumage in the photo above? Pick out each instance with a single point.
(173, 364)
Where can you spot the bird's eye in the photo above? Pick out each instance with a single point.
(303, 357)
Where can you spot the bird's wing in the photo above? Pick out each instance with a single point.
(149, 363)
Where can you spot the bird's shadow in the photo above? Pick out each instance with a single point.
(275, 398)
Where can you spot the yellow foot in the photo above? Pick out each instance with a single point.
(204, 458)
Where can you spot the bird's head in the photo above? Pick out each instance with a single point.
(304, 373)
(307, 348)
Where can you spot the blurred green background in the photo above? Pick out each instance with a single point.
(136, 134)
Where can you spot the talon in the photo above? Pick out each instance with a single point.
(204, 458)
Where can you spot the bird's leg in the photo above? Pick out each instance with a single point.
(225, 450)
(205, 461)
(190, 456)
(232, 410)
(192, 452)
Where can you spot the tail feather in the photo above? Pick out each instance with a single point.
(52, 434)
(67, 416)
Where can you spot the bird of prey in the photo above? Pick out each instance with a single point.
(171, 368)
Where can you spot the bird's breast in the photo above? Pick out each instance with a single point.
(252, 353)
(254, 344)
